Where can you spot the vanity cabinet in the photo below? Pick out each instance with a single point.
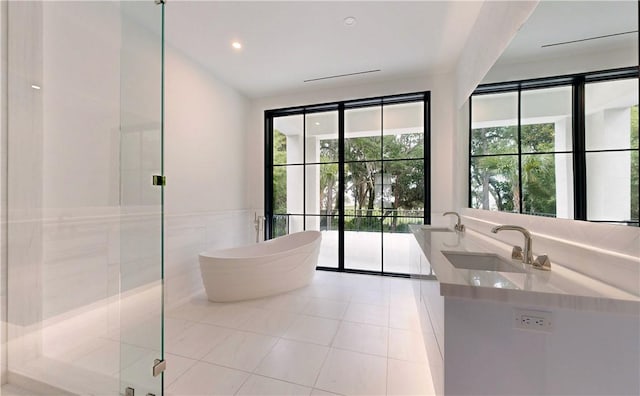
(589, 343)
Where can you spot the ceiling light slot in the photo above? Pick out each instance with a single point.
(342, 75)
(588, 39)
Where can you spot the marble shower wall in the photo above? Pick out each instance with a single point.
(85, 258)
(187, 235)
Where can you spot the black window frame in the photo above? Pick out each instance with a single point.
(341, 107)
(578, 82)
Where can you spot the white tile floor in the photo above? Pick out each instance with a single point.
(344, 334)
(13, 390)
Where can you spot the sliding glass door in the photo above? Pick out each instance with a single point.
(357, 172)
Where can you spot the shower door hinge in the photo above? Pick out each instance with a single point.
(159, 180)
(159, 366)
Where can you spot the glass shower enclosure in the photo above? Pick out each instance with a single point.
(83, 196)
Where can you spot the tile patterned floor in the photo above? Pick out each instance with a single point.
(345, 334)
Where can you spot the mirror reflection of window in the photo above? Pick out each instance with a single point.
(523, 157)
(611, 141)
(495, 182)
(567, 41)
(547, 168)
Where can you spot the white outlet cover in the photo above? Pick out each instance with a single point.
(532, 320)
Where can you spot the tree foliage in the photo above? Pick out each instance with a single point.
(328, 179)
(393, 189)
(376, 192)
(635, 166)
(496, 177)
(279, 172)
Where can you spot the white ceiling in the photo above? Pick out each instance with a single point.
(286, 43)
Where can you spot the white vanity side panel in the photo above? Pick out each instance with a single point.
(433, 306)
(434, 303)
(587, 353)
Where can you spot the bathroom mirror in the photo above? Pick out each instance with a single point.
(562, 38)
(568, 37)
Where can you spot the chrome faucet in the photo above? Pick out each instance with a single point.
(527, 255)
(541, 263)
(459, 226)
(258, 224)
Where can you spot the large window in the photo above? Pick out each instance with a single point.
(354, 171)
(565, 147)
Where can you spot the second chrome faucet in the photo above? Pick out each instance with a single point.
(459, 226)
(526, 255)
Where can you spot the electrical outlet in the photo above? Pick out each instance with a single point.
(532, 320)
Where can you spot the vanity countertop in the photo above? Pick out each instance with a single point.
(560, 287)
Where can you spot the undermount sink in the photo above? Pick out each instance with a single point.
(436, 229)
(480, 262)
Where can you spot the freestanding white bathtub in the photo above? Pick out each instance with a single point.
(264, 269)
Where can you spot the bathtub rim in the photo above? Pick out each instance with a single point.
(317, 239)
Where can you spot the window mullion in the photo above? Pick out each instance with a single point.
(341, 186)
(520, 189)
(304, 170)
(579, 151)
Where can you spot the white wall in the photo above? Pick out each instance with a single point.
(205, 199)
(442, 130)
(3, 192)
(81, 102)
(204, 151)
(497, 23)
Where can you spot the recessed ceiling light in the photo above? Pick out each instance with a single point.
(317, 123)
(236, 45)
(34, 86)
(350, 21)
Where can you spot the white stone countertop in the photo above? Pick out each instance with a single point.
(560, 287)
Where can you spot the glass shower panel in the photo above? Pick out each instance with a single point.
(141, 198)
(84, 225)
